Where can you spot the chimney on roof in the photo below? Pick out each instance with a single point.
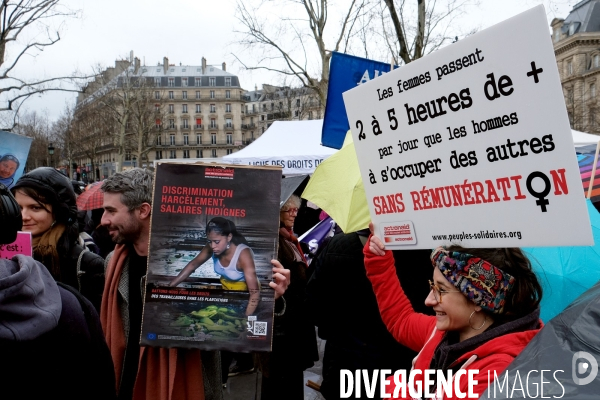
(136, 65)
(203, 65)
(131, 56)
(224, 67)
(165, 64)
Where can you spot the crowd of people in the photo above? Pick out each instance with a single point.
(73, 312)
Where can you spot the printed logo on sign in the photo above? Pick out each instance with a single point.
(219, 173)
(399, 233)
(584, 363)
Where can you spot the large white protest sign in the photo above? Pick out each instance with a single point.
(472, 145)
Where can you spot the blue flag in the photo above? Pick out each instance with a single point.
(346, 72)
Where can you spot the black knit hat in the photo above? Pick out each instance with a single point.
(55, 188)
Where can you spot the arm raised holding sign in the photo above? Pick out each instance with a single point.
(486, 303)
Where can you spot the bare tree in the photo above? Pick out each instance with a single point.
(131, 105)
(93, 130)
(37, 127)
(422, 29)
(287, 44)
(66, 139)
(20, 24)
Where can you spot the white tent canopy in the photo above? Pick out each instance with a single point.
(293, 145)
(582, 138)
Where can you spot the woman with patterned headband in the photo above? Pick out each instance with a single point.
(487, 310)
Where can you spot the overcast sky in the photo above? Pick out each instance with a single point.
(184, 31)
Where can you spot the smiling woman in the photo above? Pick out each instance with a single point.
(49, 212)
(486, 304)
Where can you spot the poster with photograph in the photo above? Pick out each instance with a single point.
(213, 235)
(14, 150)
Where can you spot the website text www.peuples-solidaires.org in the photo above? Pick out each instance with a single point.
(479, 235)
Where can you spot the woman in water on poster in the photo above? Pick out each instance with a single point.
(232, 257)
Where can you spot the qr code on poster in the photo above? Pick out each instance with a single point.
(260, 328)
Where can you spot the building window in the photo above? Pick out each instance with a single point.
(229, 151)
(184, 108)
(227, 81)
(171, 95)
(184, 95)
(171, 108)
(593, 91)
(198, 123)
(228, 123)
(297, 102)
(157, 82)
(198, 153)
(157, 95)
(213, 108)
(128, 155)
(596, 60)
(198, 108)
(296, 113)
(228, 107)
(213, 153)
(198, 139)
(272, 106)
(173, 154)
(264, 107)
(213, 123)
(197, 94)
(172, 140)
(211, 81)
(198, 82)
(186, 154)
(158, 155)
(171, 124)
(310, 115)
(171, 82)
(569, 67)
(228, 94)
(229, 138)
(183, 81)
(262, 117)
(157, 107)
(159, 140)
(572, 28)
(157, 124)
(557, 35)
(186, 124)
(213, 138)
(212, 94)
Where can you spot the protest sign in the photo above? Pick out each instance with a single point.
(224, 221)
(21, 245)
(345, 72)
(14, 150)
(472, 145)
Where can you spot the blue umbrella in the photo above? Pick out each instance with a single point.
(566, 272)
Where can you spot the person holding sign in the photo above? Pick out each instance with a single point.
(232, 257)
(487, 310)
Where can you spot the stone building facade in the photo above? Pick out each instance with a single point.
(576, 42)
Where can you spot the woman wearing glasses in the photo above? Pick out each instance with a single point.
(294, 339)
(486, 303)
(233, 260)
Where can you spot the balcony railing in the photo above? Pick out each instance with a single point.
(193, 144)
(184, 127)
(199, 127)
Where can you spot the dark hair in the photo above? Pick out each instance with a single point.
(525, 296)
(134, 185)
(225, 227)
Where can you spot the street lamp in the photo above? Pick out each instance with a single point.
(51, 152)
